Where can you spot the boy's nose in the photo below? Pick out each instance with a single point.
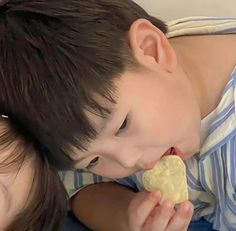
(137, 159)
(128, 160)
(148, 165)
(136, 162)
(128, 163)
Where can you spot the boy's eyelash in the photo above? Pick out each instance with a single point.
(93, 162)
(124, 125)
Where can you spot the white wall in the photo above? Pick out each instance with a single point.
(172, 9)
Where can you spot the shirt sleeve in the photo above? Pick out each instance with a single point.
(134, 181)
(76, 180)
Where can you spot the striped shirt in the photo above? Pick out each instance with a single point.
(211, 174)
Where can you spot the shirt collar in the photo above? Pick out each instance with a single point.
(224, 124)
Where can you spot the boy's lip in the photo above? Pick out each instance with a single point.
(173, 151)
(170, 151)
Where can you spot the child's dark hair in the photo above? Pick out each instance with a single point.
(47, 201)
(55, 57)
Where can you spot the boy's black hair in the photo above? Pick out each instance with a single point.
(55, 56)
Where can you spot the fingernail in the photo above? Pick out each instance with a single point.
(188, 208)
(168, 204)
(157, 193)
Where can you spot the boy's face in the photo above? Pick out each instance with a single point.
(14, 192)
(155, 111)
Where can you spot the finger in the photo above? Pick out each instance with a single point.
(182, 217)
(162, 216)
(139, 216)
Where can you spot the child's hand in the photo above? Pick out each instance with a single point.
(146, 214)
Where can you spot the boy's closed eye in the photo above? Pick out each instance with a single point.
(93, 162)
(123, 126)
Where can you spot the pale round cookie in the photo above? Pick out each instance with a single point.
(169, 176)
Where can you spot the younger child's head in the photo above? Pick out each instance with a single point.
(95, 84)
(31, 195)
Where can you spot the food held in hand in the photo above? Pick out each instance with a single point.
(169, 176)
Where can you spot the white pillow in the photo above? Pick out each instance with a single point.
(173, 9)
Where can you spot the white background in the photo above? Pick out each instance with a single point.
(172, 9)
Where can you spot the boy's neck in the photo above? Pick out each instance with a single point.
(208, 62)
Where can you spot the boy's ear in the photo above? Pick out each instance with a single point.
(150, 45)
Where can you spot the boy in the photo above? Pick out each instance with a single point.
(206, 184)
(142, 127)
(102, 88)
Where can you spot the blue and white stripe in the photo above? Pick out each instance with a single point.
(211, 175)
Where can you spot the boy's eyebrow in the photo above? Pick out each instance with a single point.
(79, 160)
(104, 120)
(82, 158)
(103, 123)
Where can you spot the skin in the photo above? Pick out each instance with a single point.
(11, 203)
(141, 141)
(158, 107)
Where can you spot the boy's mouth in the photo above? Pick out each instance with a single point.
(173, 151)
(170, 151)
